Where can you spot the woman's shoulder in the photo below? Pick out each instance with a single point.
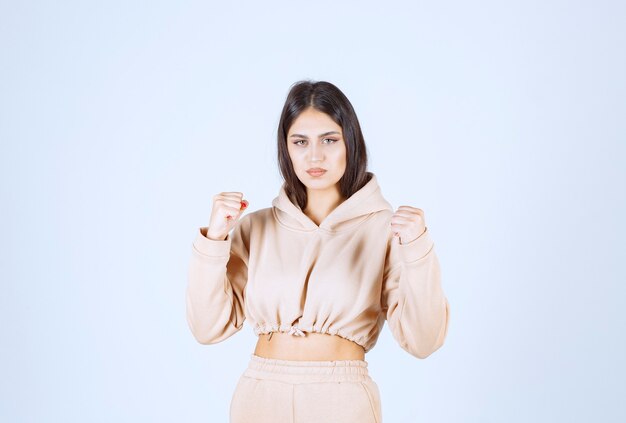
(257, 217)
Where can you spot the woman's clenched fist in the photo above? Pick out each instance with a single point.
(227, 208)
(408, 223)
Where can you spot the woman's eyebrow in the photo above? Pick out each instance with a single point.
(320, 135)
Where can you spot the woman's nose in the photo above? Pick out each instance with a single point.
(316, 154)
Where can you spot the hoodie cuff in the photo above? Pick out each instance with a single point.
(210, 247)
(418, 248)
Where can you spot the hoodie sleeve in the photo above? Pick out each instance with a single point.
(217, 276)
(413, 301)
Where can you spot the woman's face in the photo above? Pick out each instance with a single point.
(315, 140)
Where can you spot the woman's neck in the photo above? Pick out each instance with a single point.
(320, 203)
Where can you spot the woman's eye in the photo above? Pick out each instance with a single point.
(329, 139)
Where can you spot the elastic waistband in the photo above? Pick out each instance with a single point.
(298, 371)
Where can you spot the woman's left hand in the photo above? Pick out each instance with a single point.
(408, 223)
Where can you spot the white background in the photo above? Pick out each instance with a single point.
(503, 121)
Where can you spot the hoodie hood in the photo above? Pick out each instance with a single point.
(358, 207)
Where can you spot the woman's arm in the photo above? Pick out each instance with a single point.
(413, 300)
(218, 274)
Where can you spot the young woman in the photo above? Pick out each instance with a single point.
(317, 274)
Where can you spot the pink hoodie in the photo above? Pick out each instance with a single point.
(282, 272)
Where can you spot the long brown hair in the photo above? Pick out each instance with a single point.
(327, 98)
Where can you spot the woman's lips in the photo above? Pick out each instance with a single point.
(316, 172)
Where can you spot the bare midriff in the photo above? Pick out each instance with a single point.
(312, 347)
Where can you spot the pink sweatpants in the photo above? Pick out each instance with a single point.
(293, 391)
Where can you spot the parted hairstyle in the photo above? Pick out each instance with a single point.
(327, 98)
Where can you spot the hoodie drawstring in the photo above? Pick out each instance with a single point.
(296, 331)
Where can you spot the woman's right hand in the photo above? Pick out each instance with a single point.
(227, 208)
